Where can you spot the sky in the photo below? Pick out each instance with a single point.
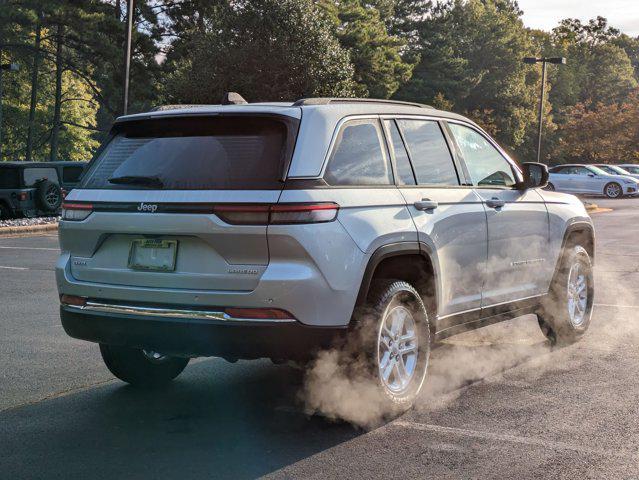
(546, 14)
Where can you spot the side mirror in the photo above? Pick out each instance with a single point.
(591, 175)
(535, 175)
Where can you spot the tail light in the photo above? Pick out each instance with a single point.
(23, 196)
(280, 214)
(76, 211)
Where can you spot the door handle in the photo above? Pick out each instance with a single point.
(425, 204)
(495, 202)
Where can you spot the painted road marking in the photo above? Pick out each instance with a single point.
(615, 306)
(30, 248)
(531, 441)
(15, 268)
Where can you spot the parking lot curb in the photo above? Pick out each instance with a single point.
(28, 229)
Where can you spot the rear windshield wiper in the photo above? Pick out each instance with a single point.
(137, 180)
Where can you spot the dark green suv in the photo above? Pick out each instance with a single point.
(29, 189)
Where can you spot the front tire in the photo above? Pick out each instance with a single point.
(550, 187)
(141, 368)
(567, 311)
(613, 190)
(399, 347)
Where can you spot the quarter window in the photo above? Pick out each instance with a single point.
(487, 167)
(429, 153)
(358, 157)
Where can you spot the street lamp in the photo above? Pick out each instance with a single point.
(543, 61)
(127, 59)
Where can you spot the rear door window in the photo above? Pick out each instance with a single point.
(34, 175)
(429, 153)
(194, 153)
(358, 156)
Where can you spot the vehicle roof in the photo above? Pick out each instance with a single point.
(295, 109)
(320, 116)
(42, 164)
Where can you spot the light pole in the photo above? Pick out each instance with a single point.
(127, 60)
(543, 61)
(11, 67)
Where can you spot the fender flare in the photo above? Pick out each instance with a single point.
(580, 226)
(396, 250)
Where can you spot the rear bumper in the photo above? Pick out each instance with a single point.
(199, 336)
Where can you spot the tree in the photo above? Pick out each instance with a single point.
(631, 47)
(471, 55)
(605, 133)
(83, 40)
(264, 49)
(598, 70)
(375, 53)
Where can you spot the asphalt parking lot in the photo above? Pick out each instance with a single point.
(500, 403)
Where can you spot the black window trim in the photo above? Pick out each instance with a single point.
(390, 147)
(384, 147)
(513, 165)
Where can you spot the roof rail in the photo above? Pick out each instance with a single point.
(161, 108)
(302, 102)
(229, 98)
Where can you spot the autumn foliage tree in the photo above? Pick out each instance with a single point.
(604, 133)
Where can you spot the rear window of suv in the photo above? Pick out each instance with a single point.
(193, 153)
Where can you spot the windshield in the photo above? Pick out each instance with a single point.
(597, 170)
(618, 170)
(193, 153)
(607, 169)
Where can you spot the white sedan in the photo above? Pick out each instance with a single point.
(587, 179)
(631, 167)
(616, 170)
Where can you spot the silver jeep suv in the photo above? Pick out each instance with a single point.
(275, 230)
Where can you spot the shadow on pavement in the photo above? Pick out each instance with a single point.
(207, 427)
(215, 421)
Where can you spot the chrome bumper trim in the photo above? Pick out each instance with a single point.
(170, 312)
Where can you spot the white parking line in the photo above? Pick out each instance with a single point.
(30, 248)
(615, 306)
(14, 268)
(537, 442)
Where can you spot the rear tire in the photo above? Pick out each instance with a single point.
(397, 341)
(613, 190)
(141, 368)
(550, 187)
(566, 313)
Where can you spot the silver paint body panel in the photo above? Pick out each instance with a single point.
(482, 256)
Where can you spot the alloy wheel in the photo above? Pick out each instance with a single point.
(397, 349)
(577, 294)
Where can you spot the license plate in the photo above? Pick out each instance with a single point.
(153, 254)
